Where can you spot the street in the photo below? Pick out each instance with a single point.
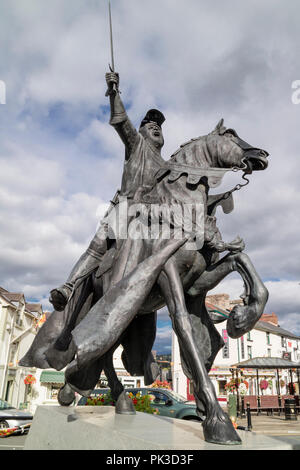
(13, 442)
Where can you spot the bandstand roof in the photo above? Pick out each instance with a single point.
(267, 363)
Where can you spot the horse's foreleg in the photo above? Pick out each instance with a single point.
(242, 317)
(217, 426)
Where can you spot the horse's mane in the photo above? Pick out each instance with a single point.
(175, 155)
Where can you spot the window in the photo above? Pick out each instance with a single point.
(19, 320)
(226, 344)
(268, 338)
(242, 347)
(52, 391)
(12, 355)
(269, 352)
(283, 342)
(249, 351)
(295, 354)
(249, 336)
(159, 398)
(222, 390)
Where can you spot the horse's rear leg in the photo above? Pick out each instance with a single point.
(114, 383)
(124, 404)
(217, 426)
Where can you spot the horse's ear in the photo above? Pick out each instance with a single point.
(219, 127)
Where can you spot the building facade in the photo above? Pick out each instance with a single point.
(18, 326)
(266, 340)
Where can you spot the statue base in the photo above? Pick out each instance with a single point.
(100, 428)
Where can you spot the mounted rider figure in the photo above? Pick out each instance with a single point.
(142, 163)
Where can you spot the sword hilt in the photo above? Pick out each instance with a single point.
(114, 87)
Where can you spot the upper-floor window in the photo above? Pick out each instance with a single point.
(283, 342)
(242, 347)
(13, 353)
(268, 337)
(249, 336)
(269, 352)
(249, 351)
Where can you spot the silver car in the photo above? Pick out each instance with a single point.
(11, 417)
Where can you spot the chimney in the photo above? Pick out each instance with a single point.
(270, 318)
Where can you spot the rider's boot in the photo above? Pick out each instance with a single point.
(60, 296)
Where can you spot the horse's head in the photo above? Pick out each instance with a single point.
(227, 150)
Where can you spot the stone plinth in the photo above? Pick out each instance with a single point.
(99, 428)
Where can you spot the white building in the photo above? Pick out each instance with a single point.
(266, 340)
(18, 320)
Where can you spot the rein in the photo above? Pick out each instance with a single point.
(238, 186)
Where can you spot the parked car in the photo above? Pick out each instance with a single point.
(11, 417)
(167, 402)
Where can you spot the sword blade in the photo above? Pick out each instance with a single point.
(111, 38)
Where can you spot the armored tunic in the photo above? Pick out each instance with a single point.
(142, 159)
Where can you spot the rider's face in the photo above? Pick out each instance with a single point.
(154, 133)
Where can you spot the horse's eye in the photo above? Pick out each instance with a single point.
(230, 134)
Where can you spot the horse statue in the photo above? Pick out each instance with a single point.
(117, 303)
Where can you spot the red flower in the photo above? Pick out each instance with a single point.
(263, 384)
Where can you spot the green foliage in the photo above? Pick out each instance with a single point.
(141, 402)
(101, 400)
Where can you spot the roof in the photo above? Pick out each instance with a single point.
(267, 363)
(214, 309)
(265, 326)
(34, 307)
(260, 325)
(52, 376)
(11, 296)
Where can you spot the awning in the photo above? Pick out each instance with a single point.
(267, 363)
(52, 376)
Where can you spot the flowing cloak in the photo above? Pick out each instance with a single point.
(52, 346)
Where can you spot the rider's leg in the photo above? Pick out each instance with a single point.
(90, 259)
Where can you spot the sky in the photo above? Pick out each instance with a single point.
(197, 61)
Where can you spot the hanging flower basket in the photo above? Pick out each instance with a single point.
(29, 380)
(263, 384)
(282, 383)
(237, 384)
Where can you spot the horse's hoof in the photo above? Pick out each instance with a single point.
(66, 395)
(124, 405)
(220, 430)
(242, 319)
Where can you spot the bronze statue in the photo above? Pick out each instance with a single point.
(117, 286)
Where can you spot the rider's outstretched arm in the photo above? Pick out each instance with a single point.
(119, 118)
(92, 257)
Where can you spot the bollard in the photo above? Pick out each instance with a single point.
(279, 404)
(249, 422)
(243, 407)
(258, 405)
